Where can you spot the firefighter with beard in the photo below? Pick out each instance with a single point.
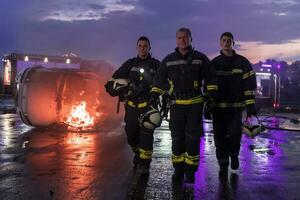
(236, 85)
(185, 69)
(138, 72)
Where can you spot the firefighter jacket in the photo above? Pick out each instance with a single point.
(185, 74)
(140, 74)
(236, 82)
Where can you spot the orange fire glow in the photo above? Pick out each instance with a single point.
(79, 118)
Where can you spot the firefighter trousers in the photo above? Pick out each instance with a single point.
(227, 135)
(140, 139)
(186, 128)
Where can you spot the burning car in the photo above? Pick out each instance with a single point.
(52, 97)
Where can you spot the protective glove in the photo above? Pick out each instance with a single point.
(251, 110)
(109, 87)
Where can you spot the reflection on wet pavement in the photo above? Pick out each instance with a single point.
(48, 164)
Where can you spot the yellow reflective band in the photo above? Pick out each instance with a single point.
(237, 71)
(248, 74)
(144, 154)
(176, 62)
(177, 159)
(229, 73)
(212, 87)
(249, 92)
(250, 101)
(198, 99)
(230, 105)
(197, 62)
(140, 105)
(171, 86)
(196, 84)
(156, 89)
(183, 62)
(223, 73)
(191, 160)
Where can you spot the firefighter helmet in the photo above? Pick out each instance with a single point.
(115, 87)
(151, 119)
(251, 128)
(120, 84)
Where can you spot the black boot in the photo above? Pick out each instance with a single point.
(135, 161)
(223, 171)
(178, 174)
(143, 170)
(234, 162)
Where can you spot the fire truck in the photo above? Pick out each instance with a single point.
(15, 63)
(268, 85)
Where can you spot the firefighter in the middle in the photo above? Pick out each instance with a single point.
(185, 69)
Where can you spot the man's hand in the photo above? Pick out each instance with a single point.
(109, 87)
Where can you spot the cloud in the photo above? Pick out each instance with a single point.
(70, 10)
(259, 51)
(281, 14)
(279, 2)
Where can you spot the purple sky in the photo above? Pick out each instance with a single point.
(108, 29)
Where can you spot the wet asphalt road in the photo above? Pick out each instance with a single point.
(48, 164)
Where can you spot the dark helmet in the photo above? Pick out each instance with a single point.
(252, 129)
(151, 119)
(115, 87)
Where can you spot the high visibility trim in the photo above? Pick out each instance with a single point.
(237, 71)
(194, 100)
(183, 62)
(144, 154)
(176, 62)
(171, 86)
(197, 62)
(234, 105)
(140, 105)
(158, 90)
(191, 160)
(250, 101)
(248, 74)
(224, 73)
(229, 73)
(212, 87)
(248, 92)
(177, 159)
(196, 84)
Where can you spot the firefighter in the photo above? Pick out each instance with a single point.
(236, 85)
(185, 69)
(139, 73)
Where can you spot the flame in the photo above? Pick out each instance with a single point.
(79, 118)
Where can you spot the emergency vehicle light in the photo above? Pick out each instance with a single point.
(266, 65)
(263, 74)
